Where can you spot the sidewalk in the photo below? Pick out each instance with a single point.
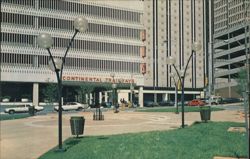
(31, 137)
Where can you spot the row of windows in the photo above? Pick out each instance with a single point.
(92, 28)
(236, 10)
(236, 18)
(22, 2)
(236, 2)
(70, 63)
(78, 8)
(219, 3)
(17, 38)
(98, 29)
(91, 10)
(230, 22)
(17, 19)
(27, 40)
(99, 46)
(220, 10)
(220, 26)
(220, 17)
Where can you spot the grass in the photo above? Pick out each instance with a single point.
(199, 141)
(172, 109)
(13, 116)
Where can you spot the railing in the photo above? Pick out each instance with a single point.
(225, 72)
(225, 84)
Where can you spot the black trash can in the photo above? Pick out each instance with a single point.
(77, 125)
(31, 110)
(205, 112)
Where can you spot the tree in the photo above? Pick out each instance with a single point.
(242, 82)
(83, 89)
(50, 92)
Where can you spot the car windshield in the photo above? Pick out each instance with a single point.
(20, 105)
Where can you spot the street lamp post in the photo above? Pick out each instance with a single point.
(131, 94)
(114, 86)
(181, 75)
(45, 41)
(114, 98)
(131, 91)
(176, 92)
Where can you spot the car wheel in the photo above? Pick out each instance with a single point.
(79, 109)
(11, 112)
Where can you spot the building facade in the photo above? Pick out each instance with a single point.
(112, 43)
(231, 44)
(171, 28)
(123, 37)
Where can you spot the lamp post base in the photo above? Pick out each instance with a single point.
(60, 150)
(185, 125)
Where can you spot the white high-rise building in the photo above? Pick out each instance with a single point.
(112, 43)
(171, 28)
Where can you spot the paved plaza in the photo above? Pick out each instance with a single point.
(31, 137)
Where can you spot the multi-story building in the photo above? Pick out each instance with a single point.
(112, 43)
(171, 28)
(123, 37)
(231, 42)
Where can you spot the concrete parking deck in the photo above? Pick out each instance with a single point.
(31, 137)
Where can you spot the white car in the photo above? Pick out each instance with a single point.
(23, 108)
(72, 106)
(214, 100)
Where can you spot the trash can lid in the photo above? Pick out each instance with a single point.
(77, 117)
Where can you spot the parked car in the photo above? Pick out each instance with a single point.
(136, 104)
(204, 100)
(166, 103)
(215, 100)
(106, 104)
(149, 104)
(196, 102)
(230, 100)
(185, 103)
(93, 105)
(72, 106)
(22, 108)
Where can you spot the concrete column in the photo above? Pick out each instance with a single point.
(90, 98)
(141, 96)
(35, 94)
(87, 98)
(164, 96)
(100, 97)
(106, 96)
(229, 91)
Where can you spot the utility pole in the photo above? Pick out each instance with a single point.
(210, 54)
(247, 52)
